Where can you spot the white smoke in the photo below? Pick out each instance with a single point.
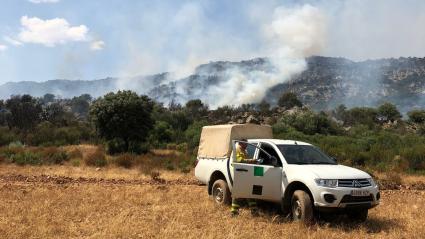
(291, 36)
(286, 38)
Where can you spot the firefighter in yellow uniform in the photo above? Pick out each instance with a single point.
(242, 157)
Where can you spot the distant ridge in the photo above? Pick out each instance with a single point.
(326, 82)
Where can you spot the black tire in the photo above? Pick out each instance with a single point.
(359, 215)
(302, 207)
(221, 193)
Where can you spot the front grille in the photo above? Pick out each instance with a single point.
(353, 199)
(353, 183)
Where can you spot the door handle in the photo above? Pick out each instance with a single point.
(241, 170)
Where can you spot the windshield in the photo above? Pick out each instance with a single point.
(304, 154)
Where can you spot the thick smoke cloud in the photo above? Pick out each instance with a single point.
(292, 34)
(356, 30)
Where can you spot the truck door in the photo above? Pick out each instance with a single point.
(259, 181)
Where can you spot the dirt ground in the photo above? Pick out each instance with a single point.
(74, 202)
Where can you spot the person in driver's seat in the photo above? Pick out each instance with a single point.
(242, 157)
(241, 153)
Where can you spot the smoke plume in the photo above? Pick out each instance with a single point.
(287, 39)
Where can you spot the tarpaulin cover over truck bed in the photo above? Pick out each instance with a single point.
(216, 141)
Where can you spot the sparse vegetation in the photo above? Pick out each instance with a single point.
(371, 138)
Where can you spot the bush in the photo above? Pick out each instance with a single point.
(388, 112)
(75, 162)
(417, 116)
(26, 157)
(308, 123)
(16, 144)
(136, 147)
(415, 156)
(116, 146)
(7, 136)
(125, 160)
(289, 100)
(53, 155)
(48, 134)
(182, 147)
(96, 158)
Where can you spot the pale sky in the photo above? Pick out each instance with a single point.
(78, 39)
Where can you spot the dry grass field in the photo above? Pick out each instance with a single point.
(35, 202)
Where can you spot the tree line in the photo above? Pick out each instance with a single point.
(127, 122)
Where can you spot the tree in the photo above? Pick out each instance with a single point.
(48, 98)
(289, 100)
(361, 115)
(80, 105)
(388, 112)
(161, 133)
(340, 112)
(263, 107)
(3, 113)
(123, 116)
(417, 116)
(54, 113)
(196, 109)
(24, 112)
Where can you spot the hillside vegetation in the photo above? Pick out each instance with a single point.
(125, 125)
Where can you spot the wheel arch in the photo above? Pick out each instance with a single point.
(289, 191)
(216, 175)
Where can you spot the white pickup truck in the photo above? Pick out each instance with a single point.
(297, 175)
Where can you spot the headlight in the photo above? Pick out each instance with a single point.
(372, 183)
(330, 183)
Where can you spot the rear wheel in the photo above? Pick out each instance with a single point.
(221, 192)
(301, 207)
(359, 215)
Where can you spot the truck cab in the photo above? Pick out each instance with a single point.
(297, 175)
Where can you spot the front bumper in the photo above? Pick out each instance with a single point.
(343, 198)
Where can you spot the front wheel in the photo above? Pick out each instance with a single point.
(221, 192)
(302, 207)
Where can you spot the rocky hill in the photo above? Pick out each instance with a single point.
(325, 83)
(328, 82)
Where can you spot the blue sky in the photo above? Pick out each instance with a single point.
(80, 39)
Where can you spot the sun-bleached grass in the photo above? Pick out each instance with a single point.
(44, 210)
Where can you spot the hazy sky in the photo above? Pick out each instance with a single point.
(79, 39)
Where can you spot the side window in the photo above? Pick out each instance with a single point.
(266, 159)
(250, 150)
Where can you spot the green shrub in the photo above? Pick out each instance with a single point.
(75, 162)
(27, 157)
(144, 148)
(96, 158)
(7, 136)
(53, 155)
(417, 116)
(415, 156)
(183, 147)
(136, 147)
(16, 144)
(116, 146)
